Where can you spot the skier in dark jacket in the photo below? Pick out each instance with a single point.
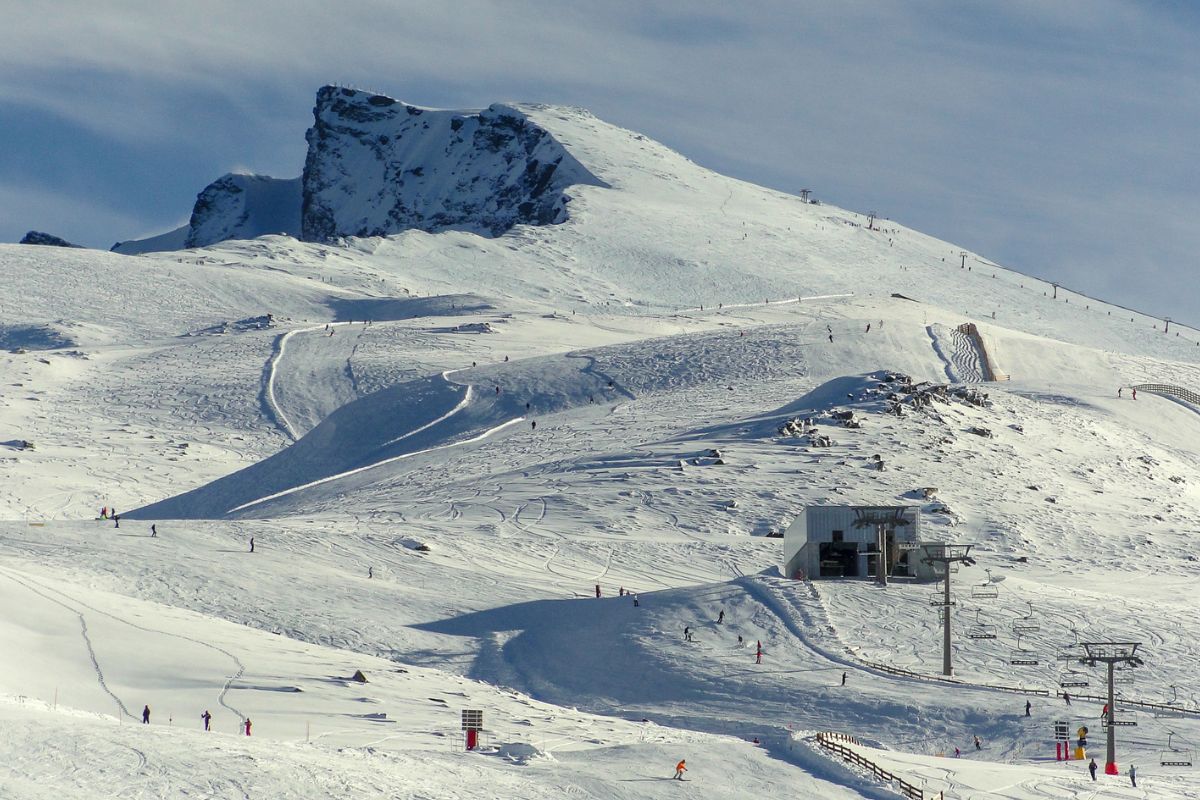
(207, 717)
(146, 715)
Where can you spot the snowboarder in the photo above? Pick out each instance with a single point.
(831, 338)
(957, 752)
(597, 590)
(843, 679)
(506, 358)
(247, 725)
(1133, 776)
(635, 601)
(153, 531)
(1028, 708)
(497, 390)
(1119, 391)
(680, 768)
(370, 572)
(868, 327)
(533, 424)
(721, 617)
(758, 653)
(740, 642)
(116, 520)
(1092, 767)
(146, 715)
(207, 717)
(687, 633)
(251, 544)
(1067, 697)
(978, 742)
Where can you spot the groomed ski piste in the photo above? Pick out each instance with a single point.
(375, 438)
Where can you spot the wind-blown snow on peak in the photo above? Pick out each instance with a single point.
(377, 166)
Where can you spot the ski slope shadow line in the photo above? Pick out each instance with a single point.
(27, 581)
(357, 470)
(269, 401)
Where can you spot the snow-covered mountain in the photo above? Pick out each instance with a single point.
(441, 442)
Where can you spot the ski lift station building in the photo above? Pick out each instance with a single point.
(843, 542)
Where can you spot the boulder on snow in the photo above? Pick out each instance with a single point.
(358, 676)
(46, 240)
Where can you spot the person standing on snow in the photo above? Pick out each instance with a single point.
(116, 520)
(843, 679)
(1133, 776)
(247, 726)
(1092, 768)
(207, 717)
(146, 715)
(978, 742)
(680, 768)
(1119, 391)
(1067, 697)
(687, 633)
(1028, 706)
(154, 531)
(721, 617)
(597, 590)
(758, 653)
(635, 600)
(251, 544)
(1134, 391)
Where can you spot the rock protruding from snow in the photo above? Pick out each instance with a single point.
(377, 166)
(244, 207)
(46, 239)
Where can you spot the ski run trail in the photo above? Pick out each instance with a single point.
(442, 444)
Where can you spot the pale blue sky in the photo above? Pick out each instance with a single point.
(1059, 138)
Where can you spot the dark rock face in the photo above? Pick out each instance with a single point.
(46, 239)
(377, 166)
(244, 207)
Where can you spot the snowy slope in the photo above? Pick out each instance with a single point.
(375, 435)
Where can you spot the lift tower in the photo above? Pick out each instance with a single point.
(947, 555)
(1111, 653)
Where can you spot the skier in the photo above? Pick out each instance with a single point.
(1067, 697)
(740, 642)
(687, 633)
(207, 717)
(758, 653)
(247, 724)
(1104, 711)
(978, 742)
(843, 679)
(153, 531)
(680, 768)
(1092, 767)
(104, 513)
(1119, 391)
(621, 592)
(251, 544)
(957, 752)
(116, 520)
(533, 424)
(1133, 776)
(635, 601)
(1028, 706)
(868, 327)
(597, 590)
(1134, 391)
(831, 338)
(497, 390)
(370, 572)
(721, 617)
(146, 715)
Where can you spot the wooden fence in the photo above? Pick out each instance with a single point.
(1147, 704)
(1186, 395)
(832, 743)
(907, 673)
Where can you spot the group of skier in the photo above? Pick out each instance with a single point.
(205, 718)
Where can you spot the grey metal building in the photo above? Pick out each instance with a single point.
(843, 542)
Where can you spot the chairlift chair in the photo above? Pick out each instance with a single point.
(987, 591)
(1021, 657)
(1174, 756)
(981, 630)
(1028, 623)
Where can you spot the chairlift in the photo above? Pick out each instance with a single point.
(987, 591)
(1071, 678)
(1027, 623)
(1174, 756)
(981, 630)
(1021, 657)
